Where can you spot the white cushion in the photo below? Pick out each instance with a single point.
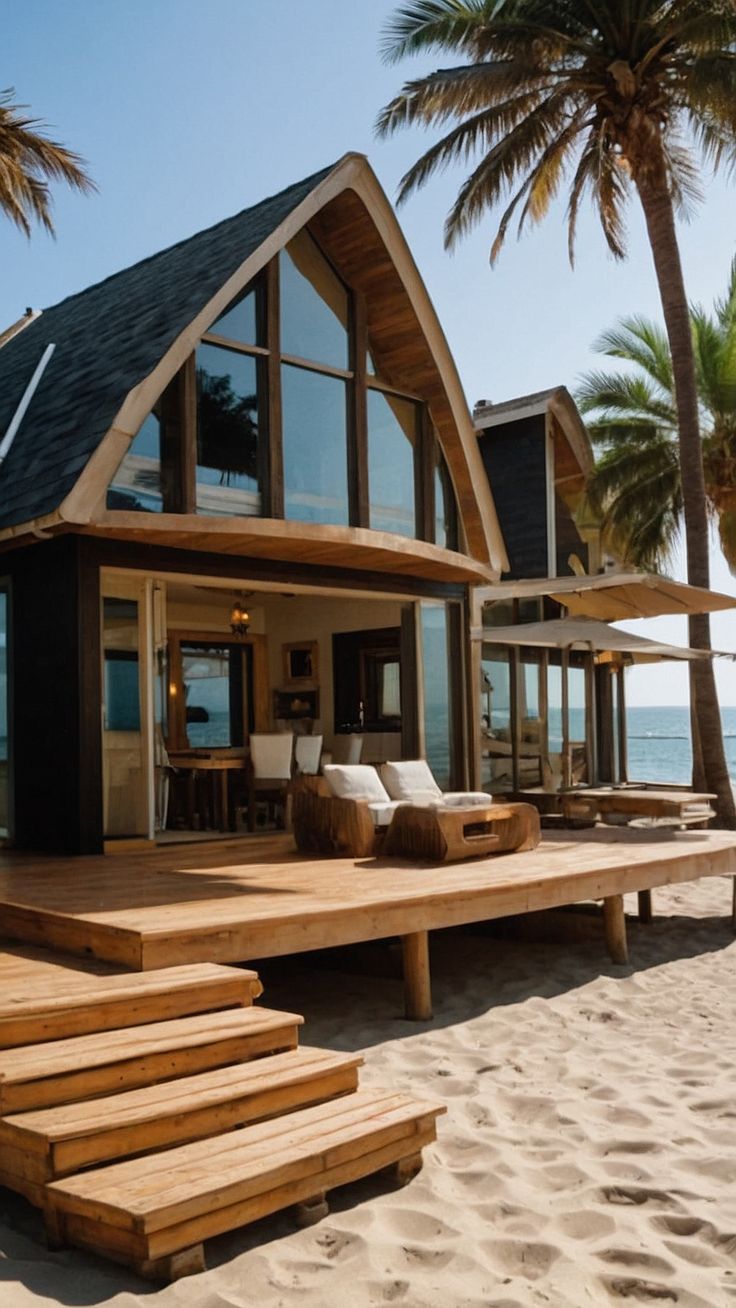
(466, 799)
(383, 812)
(355, 781)
(407, 780)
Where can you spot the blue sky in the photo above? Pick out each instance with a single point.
(188, 112)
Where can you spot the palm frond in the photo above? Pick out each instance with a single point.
(619, 397)
(515, 154)
(433, 25)
(28, 160)
(640, 341)
(450, 93)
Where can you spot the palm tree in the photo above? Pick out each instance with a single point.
(609, 96)
(636, 488)
(28, 160)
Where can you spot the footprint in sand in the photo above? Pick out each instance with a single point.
(585, 1224)
(528, 1258)
(638, 1194)
(684, 1227)
(629, 1147)
(413, 1224)
(389, 1292)
(339, 1244)
(636, 1258)
(649, 1292)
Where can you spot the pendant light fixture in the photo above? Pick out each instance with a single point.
(239, 616)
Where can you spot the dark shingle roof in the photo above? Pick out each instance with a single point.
(108, 338)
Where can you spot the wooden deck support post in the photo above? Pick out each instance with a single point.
(312, 1210)
(614, 925)
(417, 981)
(645, 907)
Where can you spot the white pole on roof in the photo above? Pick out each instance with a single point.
(26, 398)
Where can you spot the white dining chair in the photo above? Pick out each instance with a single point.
(307, 752)
(271, 756)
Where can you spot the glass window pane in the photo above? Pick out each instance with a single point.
(445, 509)
(4, 731)
(554, 762)
(314, 305)
(217, 694)
(390, 690)
(138, 484)
(496, 744)
(315, 446)
(228, 432)
(241, 321)
(532, 745)
(437, 701)
(206, 676)
(576, 681)
(392, 433)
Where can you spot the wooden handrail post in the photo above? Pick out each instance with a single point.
(417, 980)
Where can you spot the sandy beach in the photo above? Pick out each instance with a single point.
(588, 1154)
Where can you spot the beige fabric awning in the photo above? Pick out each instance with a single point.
(607, 643)
(615, 596)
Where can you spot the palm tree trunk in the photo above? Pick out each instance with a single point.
(659, 215)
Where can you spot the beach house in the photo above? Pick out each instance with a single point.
(240, 491)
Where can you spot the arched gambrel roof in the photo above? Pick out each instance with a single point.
(119, 343)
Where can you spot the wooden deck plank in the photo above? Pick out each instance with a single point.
(54, 1141)
(30, 1012)
(157, 1191)
(175, 905)
(84, 1067)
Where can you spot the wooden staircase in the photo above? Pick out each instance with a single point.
(144, 1113)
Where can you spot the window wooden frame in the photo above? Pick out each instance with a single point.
(181, 419)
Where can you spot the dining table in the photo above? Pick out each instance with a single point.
(214, 798)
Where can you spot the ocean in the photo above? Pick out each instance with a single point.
(659, 743)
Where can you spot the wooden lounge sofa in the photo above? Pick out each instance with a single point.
(357, 812)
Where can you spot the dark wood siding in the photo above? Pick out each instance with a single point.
(56, 697)
(514, 458)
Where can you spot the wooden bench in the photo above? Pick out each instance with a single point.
(45, 1144)
(37, 1076)
(71, 1004)
(677, 808)
(154, 1212)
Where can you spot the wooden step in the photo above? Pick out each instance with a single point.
(31, 1011)
(83, 1067)
(153, 1212)
(47, 1143)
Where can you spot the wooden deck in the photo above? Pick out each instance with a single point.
(243, 900)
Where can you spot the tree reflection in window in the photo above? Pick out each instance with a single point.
(228, 430)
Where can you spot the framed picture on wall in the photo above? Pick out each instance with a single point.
(301, 663)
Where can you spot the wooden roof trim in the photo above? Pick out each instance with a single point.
(85, 501)
(563, 407)
(288, 540)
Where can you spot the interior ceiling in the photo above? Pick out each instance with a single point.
(217, 593)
